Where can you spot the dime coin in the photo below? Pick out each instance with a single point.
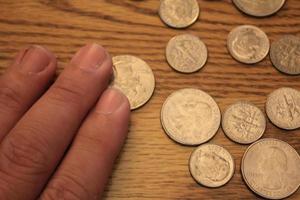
(134, 78)
(283, 108)
(271, 168)
(179, 13)
(186, 53)
(259, 8)
(190, 116)
(285, 54)
(211, 165)
(248, 44)
(243, 122)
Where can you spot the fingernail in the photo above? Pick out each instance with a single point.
(89, 57)
(35, 59)
(110, 101)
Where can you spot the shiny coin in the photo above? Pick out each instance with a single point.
(186, 53)
(259, 8)
(248, 44)
(134, 78)
(285, 54)
(211, 165)
(190, 116)
(271, 168)
(283, 108)
(243, 122)
(179, 13)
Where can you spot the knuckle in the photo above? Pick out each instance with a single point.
(10, 97)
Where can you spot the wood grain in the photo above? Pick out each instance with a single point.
(151, 166)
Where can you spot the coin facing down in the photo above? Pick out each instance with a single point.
(248, 44)
(283, 108)
(134, 78)
(285, 54)
(259, 8)
(190, 116)
(186, 53)
(179, 13)
(244, 123)
(211, 165)
(271, 168)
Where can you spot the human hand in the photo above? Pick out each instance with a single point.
(59, 142)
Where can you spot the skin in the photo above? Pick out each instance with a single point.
(60, 140)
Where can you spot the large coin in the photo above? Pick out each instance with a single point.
(248, 44)
(271, 168)
(243, 122)
(179, 13)
(190, 116)
(285, 54)
(211, 165)
(259, 8)
(186, 53)
(134, 78)
(283, 108)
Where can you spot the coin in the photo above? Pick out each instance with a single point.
(271, 168)
(190, 116)
(211, 165)
(179, 13)
(186, 53)
(248, 44)
(134, 78)
(243, 122)
(283, 108)
(259, 8)
(285, 54)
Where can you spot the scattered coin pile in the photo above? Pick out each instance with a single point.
(270, 167)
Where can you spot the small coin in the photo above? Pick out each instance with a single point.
(283, 108)
(190, 116)
(179, 13)
(186, 53)
(271, 168)
(285, 54)
(134, 78)
(248, 44)
(211, 165)
(259, 8)
(244, 123)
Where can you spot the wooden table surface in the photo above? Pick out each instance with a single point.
(151, 165)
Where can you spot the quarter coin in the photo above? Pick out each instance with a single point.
(134, 78)
(211, 165)
(243, 122)
(248, 44)
(190, 116)
(271, 168)
(186, 53)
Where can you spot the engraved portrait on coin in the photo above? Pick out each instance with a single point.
(211, 165)
(285, 54)
(134, 78)
(190, 116)
(179, 13)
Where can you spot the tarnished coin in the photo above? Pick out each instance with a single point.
(285, 54)
(248, 44)
(179, 13)
(243, 122)
(190, 116)
(271, 168)
(259, 8)
(134, 78)
(283, 108)
(186, 53)
(211, 165)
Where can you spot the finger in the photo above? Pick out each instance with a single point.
(23, 83)
(88, 164)
(32, 150)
